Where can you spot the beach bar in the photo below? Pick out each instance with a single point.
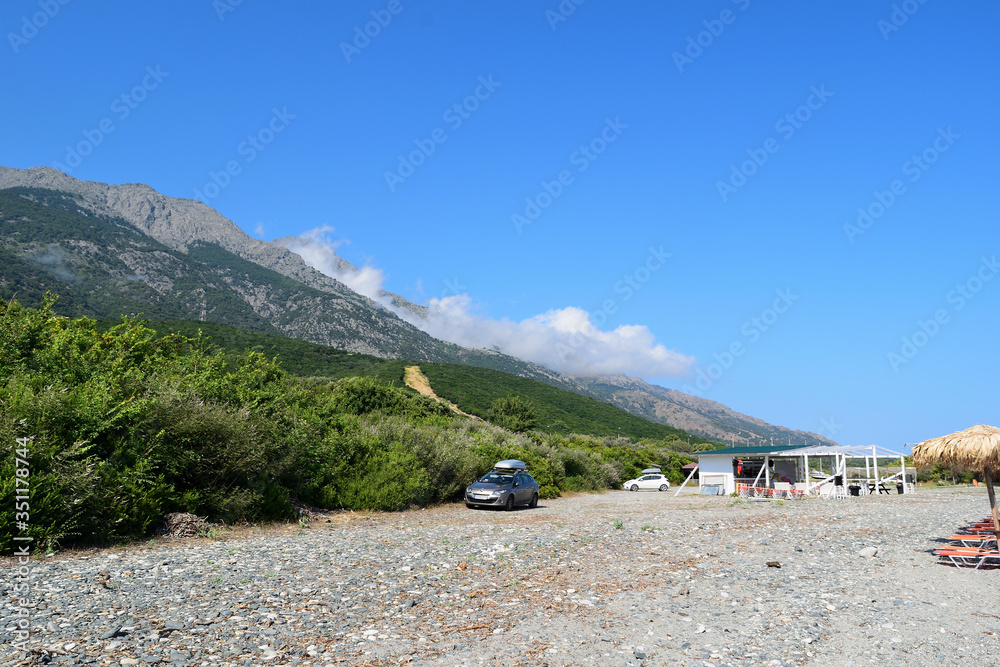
(795, 471)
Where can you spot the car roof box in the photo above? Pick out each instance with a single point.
(510, 464)
(650, 471)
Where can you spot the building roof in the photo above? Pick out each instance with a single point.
(750, 451)
(800, 450)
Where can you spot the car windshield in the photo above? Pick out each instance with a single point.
(497, 478)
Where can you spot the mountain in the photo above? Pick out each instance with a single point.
(108, 250)
(698, 416)
(166, 261)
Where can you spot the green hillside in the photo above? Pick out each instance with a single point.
(471, 388)
(294, 356)
(474, 390)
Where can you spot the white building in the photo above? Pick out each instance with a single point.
(800, 470)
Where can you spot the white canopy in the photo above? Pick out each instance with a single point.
(717, 467)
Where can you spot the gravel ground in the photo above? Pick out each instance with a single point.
(616, 578)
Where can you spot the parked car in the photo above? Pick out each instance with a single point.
(652, 482)
(507, 485)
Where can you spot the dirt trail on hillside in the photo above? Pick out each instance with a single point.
(415, 379)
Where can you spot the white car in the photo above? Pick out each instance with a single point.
(652, 482)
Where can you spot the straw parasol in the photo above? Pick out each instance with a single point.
(977, 448)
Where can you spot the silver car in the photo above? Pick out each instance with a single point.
(507, 486)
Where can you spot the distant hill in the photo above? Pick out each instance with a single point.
(698, 416)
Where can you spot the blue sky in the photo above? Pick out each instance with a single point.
(697, 168)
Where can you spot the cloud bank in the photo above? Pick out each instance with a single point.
(564, 339)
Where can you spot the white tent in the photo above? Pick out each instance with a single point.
(725, 469)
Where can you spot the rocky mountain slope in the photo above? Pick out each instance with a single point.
(174, 222)
(699, 416)
(127, 248)
(119, 249)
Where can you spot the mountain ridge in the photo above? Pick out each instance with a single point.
(352, 321)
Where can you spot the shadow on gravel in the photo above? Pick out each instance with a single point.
(504, 510)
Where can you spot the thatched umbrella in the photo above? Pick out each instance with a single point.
(976, 448)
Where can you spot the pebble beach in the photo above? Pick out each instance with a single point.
(614, 578)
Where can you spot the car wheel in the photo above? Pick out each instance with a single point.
(634, 487)
(663, 487)
(509, 505)
(534, 501)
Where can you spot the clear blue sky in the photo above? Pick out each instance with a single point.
(820, 108)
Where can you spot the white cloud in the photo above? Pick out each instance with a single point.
(319, 252)
(563, 339)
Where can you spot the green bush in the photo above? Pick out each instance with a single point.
(513, 413)
(125, 426)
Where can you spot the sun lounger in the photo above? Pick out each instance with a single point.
(960, 556)
(980, 540)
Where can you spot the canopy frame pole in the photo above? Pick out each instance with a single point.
(902, 472)
(767, 472)
(759, 473)
(805, 464)
(679, 488)
(993, 503)
(878, 480)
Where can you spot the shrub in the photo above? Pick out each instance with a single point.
(125, 427)
(514, 413)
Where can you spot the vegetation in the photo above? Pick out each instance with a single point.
(122, 425)
(297, 357)
(942, 473)
(473, 389)
(514, 413)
